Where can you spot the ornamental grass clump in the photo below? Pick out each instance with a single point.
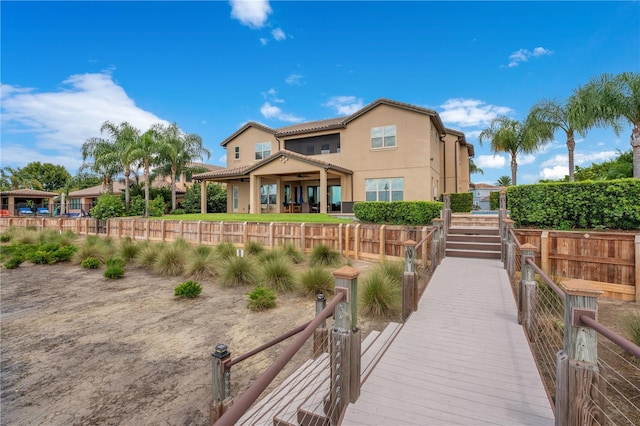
(238, 271)
(93, 246)
(128, 249)
(292, 252)
(171, 260)
(188, 289)
(393, 271)
(254, 248)
(148, 254)
(261, 299)
(379, 297)
(317, 280)
(323, 255)
(201, 263)
(277, 274)
(225, 250)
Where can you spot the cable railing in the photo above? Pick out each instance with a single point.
(590, 380)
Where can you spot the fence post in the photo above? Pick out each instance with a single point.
(345, 345)
(527, 292)
(221, 383)
(356, 242)
(409, 279)
(502, 211)
(438, 240)
(509, 260)
(637, 247)
(382, 241)
(447, 211)
(579, 389)
(320, 335)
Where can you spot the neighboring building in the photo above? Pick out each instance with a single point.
(15, 202)
(481, 193)
(386, 151)
(81, 201)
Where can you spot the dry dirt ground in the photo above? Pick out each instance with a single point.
(79, 349)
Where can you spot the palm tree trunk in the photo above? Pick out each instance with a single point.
(147, 185)
(173, 187)
(126, 190)
(571, 146)
(514, 169)
(635, 143)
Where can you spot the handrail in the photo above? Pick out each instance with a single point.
(515, 238)
(611, 335)
(546, 278)
(267, 345)
(426, 238)
(242, 404)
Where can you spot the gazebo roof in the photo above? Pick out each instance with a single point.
(28, 193)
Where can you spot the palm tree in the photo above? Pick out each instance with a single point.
(106, 160)
(18, 178)
(177, 150)
(620, 97)
(576, 115)
(145, 153)
(503, 181)
(125, 137)
(515, 137)
(473, 168)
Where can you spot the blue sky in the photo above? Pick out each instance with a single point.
(212, 66)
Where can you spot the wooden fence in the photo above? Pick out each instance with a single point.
(356, 241)
(609, 260)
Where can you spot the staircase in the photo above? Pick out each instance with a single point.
(302, 397)
(474, 236)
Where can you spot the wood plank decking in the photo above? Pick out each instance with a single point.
(461, 359)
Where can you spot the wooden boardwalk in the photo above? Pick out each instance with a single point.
(461, 359)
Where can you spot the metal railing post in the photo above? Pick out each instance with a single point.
(527, 292)
(580, 392)
(345, 345)
(409, 280)
(221, 383)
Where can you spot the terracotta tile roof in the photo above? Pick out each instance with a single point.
(236, 171)
(245, 127)
(483, 186)
(312, 126)
(118, 188)
(28, 193)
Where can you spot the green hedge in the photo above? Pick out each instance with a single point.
(613, 204)
(461, 202)
(494, 200)
(416, 213)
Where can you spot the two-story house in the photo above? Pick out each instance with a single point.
(387, 151)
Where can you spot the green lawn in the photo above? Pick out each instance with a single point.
(263, 217)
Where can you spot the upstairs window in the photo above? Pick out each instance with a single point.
(236, 153)
(386, 189)
(263, 150)
(383, 137)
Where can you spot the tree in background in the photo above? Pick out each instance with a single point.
(216, 199)
(11, 178)
(106, 160)
(618, 168)
(146, 154)
(51, 176)
(124, 137)
(515, 137)
(503, 181)
(473, 168)
(177, 149)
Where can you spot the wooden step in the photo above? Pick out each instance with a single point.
(263, 412)
(473, 246)
(473, 230)
(473, 254)
(495, 239)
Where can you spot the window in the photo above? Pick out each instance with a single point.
(387, 189)
(236, 153)
(325, 149)
(74, 203)
(263, 150)
(235, 198)
(383, 137)
(268, 194)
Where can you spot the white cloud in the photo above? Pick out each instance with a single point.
(62, 121)
(554, 173)
(471, 112)
(271, 111)
(526, 159)
(294, 79)
(587, 159)
(523, 55)
(490, 161)
(223, 159)
(344, 105)
(252, 13)
(278, 34)
(264, 41)
(271, 95)
(472, 134)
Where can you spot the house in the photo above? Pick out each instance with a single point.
(481, 193)
(83, 200)
(386, 151)
(20, 201)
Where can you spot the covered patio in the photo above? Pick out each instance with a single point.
(17, 202)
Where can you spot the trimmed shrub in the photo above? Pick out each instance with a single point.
(323, 255)
(91, 263)
(116, 261)
(261, 298)
(317, 280)
(189, 289)
(277, 274)
(114, 272)
(379, 298)
(417, 213)
(238, 271)
(494, 200)
(461, 202)
(107, 206)
(178, 211)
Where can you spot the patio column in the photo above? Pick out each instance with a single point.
(255, 182)
(323, 191)
(203, 196)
